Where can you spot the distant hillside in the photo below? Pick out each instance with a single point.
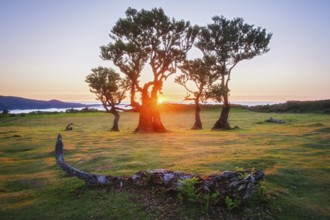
(12, 102)
(319, 106)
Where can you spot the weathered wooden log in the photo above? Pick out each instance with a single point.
(69, 127)
(90, 179)
(238, 185)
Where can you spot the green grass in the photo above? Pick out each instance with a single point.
(294, 156)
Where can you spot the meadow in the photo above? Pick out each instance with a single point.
(294, 157)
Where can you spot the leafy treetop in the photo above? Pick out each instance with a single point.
(108, 87)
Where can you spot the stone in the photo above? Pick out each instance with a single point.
(168, 178)
(241, 187)
(277, 121)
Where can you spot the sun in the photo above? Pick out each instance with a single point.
(160, 101)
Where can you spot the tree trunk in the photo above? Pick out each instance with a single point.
(222, 122)
(149, 119)
(115, 126)
(198, 121)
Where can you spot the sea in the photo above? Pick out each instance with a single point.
(99, 107)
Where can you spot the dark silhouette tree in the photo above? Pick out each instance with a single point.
(5, 112)
(110, 89)
(229, 42)
(148, 36)
(201, 74)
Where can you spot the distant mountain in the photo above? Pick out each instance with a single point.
(12, 103)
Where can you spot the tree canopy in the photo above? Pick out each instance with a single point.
(201, 73)
(109, 88)
(230, 42)
(154, 38)
(150, 37)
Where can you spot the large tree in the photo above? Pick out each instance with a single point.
(197, 76)
(229, 42)
(148, 36)
(110, 89)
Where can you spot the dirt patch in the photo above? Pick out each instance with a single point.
(160, 206)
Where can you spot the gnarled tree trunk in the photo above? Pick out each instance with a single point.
(222, 122)
(198, 121)
(115, 126)
(149, 120)
(149, 117)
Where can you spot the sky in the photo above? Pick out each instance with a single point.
(47, 48)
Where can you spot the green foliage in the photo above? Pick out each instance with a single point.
(243, 175)
(239, 169)
(5, 112)
(202, 73)
(188, 189)
(148, 36)
(321, 106)
(211, 199)
(229, 42)
(232, 204)
(108, 86)
(232, 41)
(217, 91)
(261, 194)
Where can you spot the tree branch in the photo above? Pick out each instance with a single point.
(229, 72)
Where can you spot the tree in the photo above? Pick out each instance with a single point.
(110, 89)
(200, 72)
(148, 36)
(229, 42)
(5, 112)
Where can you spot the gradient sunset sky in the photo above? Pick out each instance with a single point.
(48, 47)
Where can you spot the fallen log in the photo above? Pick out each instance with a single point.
(69, 127)
(237, 185)
(90, 179)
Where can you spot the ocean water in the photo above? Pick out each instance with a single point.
(96, 105)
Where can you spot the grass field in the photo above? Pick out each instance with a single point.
(294, 157)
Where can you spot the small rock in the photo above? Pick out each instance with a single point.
(168, 177)
(241, 187)
(272, 120)
(234, 184)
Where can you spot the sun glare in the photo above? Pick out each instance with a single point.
(160, 101)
